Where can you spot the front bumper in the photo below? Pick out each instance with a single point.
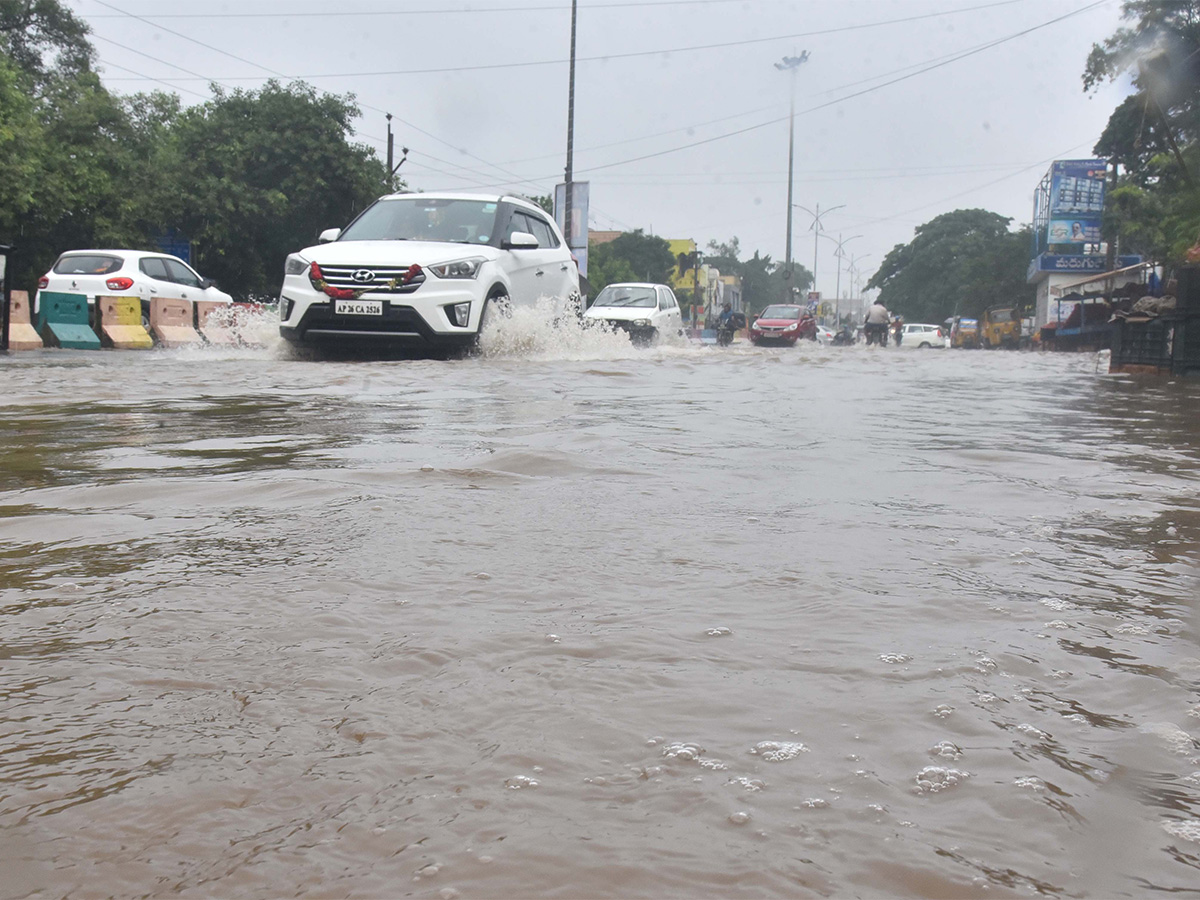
(308, 317)
(779, 337)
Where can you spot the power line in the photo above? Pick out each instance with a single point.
(640, 53)
(424, 12)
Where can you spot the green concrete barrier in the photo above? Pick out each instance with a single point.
(63, 321)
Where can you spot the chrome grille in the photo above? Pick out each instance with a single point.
(342, 277)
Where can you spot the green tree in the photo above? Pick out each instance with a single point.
(959, 262)
(605, 267)
(1153, 134)
(33, 30)
(261, 173)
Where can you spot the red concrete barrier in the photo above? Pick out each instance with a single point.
(21, 333)
(171, 322)
(216, 329)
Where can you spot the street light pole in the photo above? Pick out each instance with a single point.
(570, 137)
(839, 254)
(790, 64)
(816, 229)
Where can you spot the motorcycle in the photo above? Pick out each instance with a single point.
(726, 328)
(844, 338)
(876, 334)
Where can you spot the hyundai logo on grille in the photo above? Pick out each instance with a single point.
(363, 276)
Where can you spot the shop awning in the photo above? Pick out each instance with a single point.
(1102, 276)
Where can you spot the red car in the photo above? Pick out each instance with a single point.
(783, 323)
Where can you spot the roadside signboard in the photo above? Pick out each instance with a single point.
(1076, 201)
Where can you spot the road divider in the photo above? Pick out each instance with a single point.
(219, 328)
(21, 333)
(171, 322)
(63, 321)
(121, 323)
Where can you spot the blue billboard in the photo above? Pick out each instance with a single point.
(1076, 201)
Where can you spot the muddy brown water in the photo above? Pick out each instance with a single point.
(574, 620)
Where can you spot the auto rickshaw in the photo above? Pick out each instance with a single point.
(1001, 327)
(964, 333)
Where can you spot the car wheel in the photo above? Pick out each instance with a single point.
(497, 303)
(924, 345)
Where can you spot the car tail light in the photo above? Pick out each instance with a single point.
(119, 284)
(939, 332)
(43, 282)
(316, 277)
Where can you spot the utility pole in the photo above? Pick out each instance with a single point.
(570, 134)
(391, 144)
(816, 230)
(790, 64)
(390, 153)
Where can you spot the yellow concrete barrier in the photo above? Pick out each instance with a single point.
(21, 333)
(121, 323)
(216, 329)
(171, 322)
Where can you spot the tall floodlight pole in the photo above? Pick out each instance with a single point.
(790, 64)
(570, 134)
(816, 230)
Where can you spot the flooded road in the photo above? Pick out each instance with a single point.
(576, 620)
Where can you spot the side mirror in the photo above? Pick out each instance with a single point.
(520, 240)
(206, 283)
(329, 234)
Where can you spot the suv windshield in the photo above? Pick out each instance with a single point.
(425, 219)
(627, 296)
(781, 312)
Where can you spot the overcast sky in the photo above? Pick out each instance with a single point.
(478, 89)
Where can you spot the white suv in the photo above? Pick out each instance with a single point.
(424, 269)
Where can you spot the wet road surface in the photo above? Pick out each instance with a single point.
(572, 619)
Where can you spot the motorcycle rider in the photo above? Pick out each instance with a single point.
(875, 326)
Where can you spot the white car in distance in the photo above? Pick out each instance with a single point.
(643, 310)
(126, 273)
(425, 271)
(917, 336)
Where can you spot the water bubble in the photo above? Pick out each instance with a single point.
(1130, 628)
(932, 779)
(946, 750)
(426, 468)
(750, 784)
(1032, 731)
(739, 818)
(1057, 623)
(553, 638)
(895, 658)
(487, 860)
(483, 576)
(720, 631)
(778, 751)
(682, 751)
(429, 871)
(943, 710)
(1188, 830)
(1172, 736)
(1032, 782)
(1057, 605)
(751, 518)
(517, 782)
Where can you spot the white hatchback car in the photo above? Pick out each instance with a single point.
(921, 337)
(126, 273)
(643, 310)
(425, 269)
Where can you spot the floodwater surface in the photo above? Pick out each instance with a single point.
(570, 619)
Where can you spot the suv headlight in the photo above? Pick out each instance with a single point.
(295, 265)
(459, 268)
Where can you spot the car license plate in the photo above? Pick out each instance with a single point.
(358, 307)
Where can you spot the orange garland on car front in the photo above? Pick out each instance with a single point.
(317, 278)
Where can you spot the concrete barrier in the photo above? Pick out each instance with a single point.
(171, 322)
(216, 329)
(63, 320)
(121, 323)
(21, 333)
